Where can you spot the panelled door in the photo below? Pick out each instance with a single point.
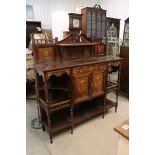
(82, 88)
(89, 81)
(98, 82)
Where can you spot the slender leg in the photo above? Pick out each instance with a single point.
(42, 117)
(72, 101)
(43, 128)
(105, 90)
(72, 119)
(50, 128)
(116, 101)
(104, 106)
(48, 111)
(118, 81)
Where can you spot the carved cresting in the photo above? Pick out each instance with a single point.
(75, 38)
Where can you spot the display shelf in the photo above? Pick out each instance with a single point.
(87, 110)
(54, 95)
(78, 44)
(112, 86)
(59, 121)
(110, 104)
(83, 116)
(55, 88)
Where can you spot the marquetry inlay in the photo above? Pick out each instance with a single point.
(82, 87)
(97, 83)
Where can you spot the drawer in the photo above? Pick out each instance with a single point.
(77, 71)
(57, 73)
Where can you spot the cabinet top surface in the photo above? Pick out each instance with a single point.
(50, 65)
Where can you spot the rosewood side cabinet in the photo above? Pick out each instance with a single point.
(72, 87)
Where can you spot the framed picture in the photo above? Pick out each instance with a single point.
(29, 12)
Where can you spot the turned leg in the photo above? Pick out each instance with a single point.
(116, 101)
(72, 120)
(104, 106)
(43, 128)
(118, 81)
(50, 128)
(42, 117)
(48, 110)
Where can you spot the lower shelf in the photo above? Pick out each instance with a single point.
(110, 104)
(62, 119)
(87, 111)
(59, 121)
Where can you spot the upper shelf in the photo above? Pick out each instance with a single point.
(77, 44)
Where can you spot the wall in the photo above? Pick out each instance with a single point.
(54, 13)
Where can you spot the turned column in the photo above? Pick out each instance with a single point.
(48, 110)
(105, 91)
(118, 89)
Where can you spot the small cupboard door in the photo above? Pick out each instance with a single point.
(81, 88)
(98, 84)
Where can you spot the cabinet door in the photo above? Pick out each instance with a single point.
(98, 84)
(81, 88)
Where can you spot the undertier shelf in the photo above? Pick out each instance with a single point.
(87, 111)
(112, 86)
(62, 119)
(59, 120)
(110, 104)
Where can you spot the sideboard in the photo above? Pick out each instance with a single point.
(72, 83)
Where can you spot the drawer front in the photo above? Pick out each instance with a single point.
(78, 71)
